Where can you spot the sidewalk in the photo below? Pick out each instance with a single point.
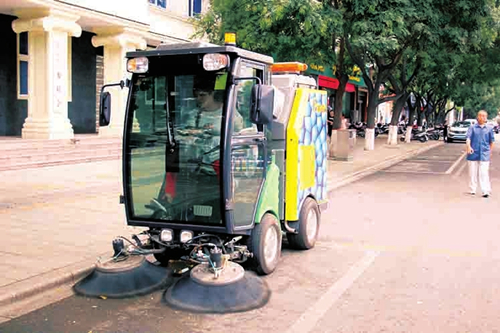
(58, 220)
(364, 162)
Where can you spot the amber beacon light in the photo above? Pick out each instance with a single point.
(289, 67)
(230, 38)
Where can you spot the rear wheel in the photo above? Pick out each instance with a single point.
(308, 228)
(265, 244)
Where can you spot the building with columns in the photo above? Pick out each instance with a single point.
(58, 53)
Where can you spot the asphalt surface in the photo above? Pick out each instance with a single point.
(403, 250)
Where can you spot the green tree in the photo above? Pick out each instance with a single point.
(295, 30)
(462, 70)
(380, 32)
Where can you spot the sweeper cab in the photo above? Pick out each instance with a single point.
(224, 153)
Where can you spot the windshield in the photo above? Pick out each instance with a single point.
(461, 124)
(173, 143)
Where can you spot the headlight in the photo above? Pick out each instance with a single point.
(186, 235)
(215, 61)
(166, 235)
(138, 65)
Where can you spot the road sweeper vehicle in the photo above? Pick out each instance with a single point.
(224, 153)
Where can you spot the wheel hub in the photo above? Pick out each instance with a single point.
(312, 225)
(271, 245)
(204, 275)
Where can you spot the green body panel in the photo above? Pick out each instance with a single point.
(269, 197)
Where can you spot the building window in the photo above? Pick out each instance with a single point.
(195, 7)
(159, 3)
(22, 65)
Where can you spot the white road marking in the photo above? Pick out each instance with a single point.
(459, 172)
(412, 171)
(313, 314)
(450, 170)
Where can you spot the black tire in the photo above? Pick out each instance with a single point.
(263, 262)
(449, 140)
(307, 234)
(422, 139)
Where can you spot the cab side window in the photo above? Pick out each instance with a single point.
(242, 124)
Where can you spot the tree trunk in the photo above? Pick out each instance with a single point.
(370, 122)
(372, 107)
(369, 139)
(396, 113)
(339, 95)
(397, 108)
(339, 103)
(413, 110)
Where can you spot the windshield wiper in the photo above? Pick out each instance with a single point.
(170, 131)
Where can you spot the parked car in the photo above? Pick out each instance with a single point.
(494, 126)
(471, 121)
(458, 130)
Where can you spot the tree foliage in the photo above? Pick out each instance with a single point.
(295, 30)
(439, 50)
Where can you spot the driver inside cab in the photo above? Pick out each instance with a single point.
(202, 133)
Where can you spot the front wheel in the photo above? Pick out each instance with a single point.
(308, 228)
(265, 244)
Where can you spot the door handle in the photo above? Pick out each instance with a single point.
(247, 140)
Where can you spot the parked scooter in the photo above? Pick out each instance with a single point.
(360, 128)
(421, 136)
(382, 128)
(435, 133)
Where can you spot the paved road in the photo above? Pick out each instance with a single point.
(404, 250)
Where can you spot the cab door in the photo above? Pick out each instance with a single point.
(248, 151)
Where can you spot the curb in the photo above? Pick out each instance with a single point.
(379, 166)
(71, 274)
(30, 287)
(47, 164)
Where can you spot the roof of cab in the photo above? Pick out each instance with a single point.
(200, 48)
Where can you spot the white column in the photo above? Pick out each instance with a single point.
(48, 74)
(116, 45)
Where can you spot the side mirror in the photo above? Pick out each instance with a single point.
(261, 111)
(105, 109)
(105, 102)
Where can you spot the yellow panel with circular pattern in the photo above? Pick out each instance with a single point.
(306, 149)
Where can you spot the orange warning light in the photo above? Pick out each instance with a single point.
(288, 67)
